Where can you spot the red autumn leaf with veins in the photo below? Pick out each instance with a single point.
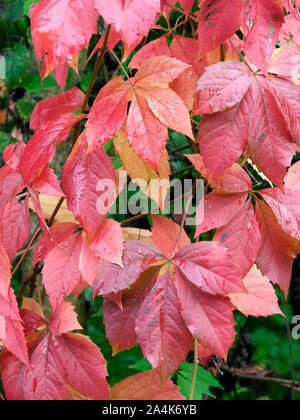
(60, 29)
(259, 113)
(47, 183)
(11, 328)
(250, 235)
(108, 242)
(64, 319)
(218, 21)
(163, 292)
(52, 119)
(152, 307)
(260, 299)
(154, 108)
(261, 21)
(14, 216)
(278, 251)
(88, 182)
(187, 51)
(133, 19)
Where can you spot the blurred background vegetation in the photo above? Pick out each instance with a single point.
(263, 347)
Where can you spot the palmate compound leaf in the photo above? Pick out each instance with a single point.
(56, 362)
(62, 364)
(60, 29)
(132, 19)
(187, 51)
(252, 233)
(154, 108)
(152, 308)
(260, 117)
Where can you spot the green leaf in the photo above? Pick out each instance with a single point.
(33, 83)
(17, 62)
(204, 381)
(25, 107)
(5, 140)
(11, 10)
(27, 5)
(142, 365)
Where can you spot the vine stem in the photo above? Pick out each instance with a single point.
(266, 379)
(195, 369)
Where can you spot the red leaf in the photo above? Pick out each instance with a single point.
(262, 119)
(11, 329)
(64, 319)
(108, 113)
(145, 386)
(12, 154)
(160, 330)
(292, 180)
(15, 226)
(60, 29)
(61, 270)
(262, 20)
(56, 106)
(146, 134)
(286, 61)
(209, 318)
(88, 263)
(5, 273)
(165, 234)
(208, 266)
(286, 207)
(241, 236)
(137, 257)
(219, 209)
(132, 19)
(260, 299)
(47, 183)
(234, 179)
(120, 322)
(218, 21)
(108, 242)
(278, 250)
(88, 182)
(52, 119)
(84, 365)
(46, 379)
(60, 234)
(222, 86)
